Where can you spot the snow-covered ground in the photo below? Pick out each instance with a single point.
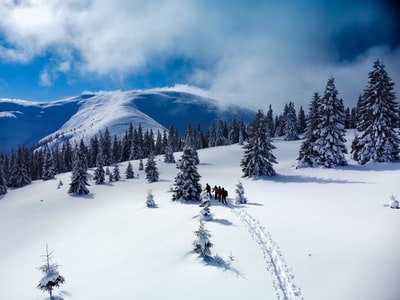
(306, 233)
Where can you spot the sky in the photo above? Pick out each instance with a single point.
(248, 52)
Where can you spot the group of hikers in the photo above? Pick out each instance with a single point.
(220, 193)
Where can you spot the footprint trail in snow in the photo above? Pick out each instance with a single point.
(283, 280)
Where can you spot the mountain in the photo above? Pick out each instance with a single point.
(26, 123)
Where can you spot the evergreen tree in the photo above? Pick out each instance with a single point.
(301, 120)
(99, 173)
(240, 197)
(49, 171)
(19, 170)
(150, 200)
(270, 122)
(169, 152)
(105, 147)
(79, 173)
(67, 157)
(205, 204)
(52, 277)
(377, 139)
(141, 165)
(290, 128)
(151, 169)
(129, 171)
(308, 156)
(202, 243)
(330, 143)
(116, 175)
(258, 157)
(187, 184)
(3, 183)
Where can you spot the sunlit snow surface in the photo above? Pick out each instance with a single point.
(330, 232)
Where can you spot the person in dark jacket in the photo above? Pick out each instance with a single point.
(224, 194)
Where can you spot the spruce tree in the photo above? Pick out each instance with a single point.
(330, 143)
(19, 170)
(3, 183)
(151, 169)
(169, 152)
(51, 276)
(79, 179)
(150, 200)
(49, 171)
(240, 197)
(308, 156)
(116, 175)
(99, 173)
(258, 157)
(205, 204)
(291, 128)
(186, 183)
(377, 139)
(129, 171)
(202, 243)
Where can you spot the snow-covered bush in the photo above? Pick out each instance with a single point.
(240, 198)
(202, 244)
(393, 202)
(52, 277)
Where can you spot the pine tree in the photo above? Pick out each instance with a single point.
(79, 173)
(99, 173)
(258, 157)
(301, 120)
(377, 139)
(202, 243)
(129, 171)
(308, 156)
(151, 169)
(49, 171)
(116, 175)
(205, 204)
(19, 170)
(291, 128)
(169, 152)
(52, 277)
(330, 143)
(150, 200)
(3, 183)
(240, 197)
(187, 184)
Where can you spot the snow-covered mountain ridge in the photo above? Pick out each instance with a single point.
(26, 123)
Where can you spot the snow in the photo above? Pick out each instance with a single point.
(310, 233)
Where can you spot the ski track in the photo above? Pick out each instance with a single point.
(282, 278)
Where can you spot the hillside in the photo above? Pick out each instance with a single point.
(26, 123)
(329, 228)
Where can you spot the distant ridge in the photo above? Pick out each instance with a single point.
(26, 123)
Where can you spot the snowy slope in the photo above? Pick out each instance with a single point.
(309, 233)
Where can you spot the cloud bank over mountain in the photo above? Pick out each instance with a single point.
(257, 52)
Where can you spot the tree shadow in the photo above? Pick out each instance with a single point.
(224, 264)
(304, 179)
(219, 221)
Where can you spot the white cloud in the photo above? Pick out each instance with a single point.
(249, 52)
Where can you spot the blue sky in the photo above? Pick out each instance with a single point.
(247, 52)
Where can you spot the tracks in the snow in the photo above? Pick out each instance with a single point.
(283, 279)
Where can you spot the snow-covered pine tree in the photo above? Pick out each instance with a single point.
(99, 173)
(141, 167)
(79, 173)
(150, 200)
(291, 128)
(151, 169)
(105, 147)
(129, 171)
(240, 198)
(308, 156)
(19, 170)
(48, 170)
(169, 152)
(258, 157)
(51, 276)
(301, 120)
(377, 139)
(186, 183)
(205, 204)
(202, 243)
(3, 183)
(116, 174)
(330, 143)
